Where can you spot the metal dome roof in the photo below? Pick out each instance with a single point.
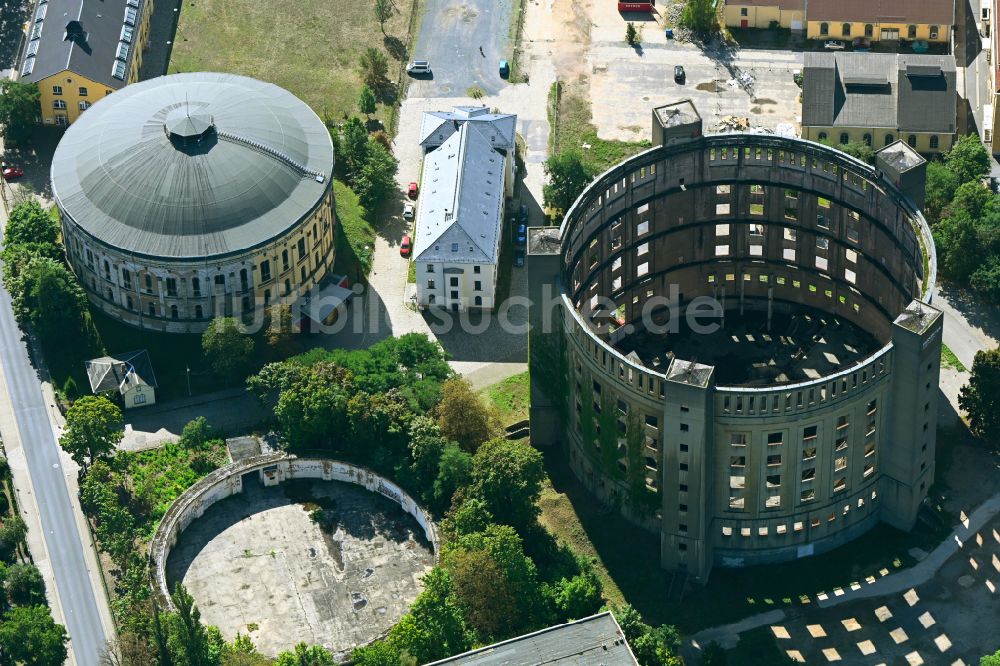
(193, 165)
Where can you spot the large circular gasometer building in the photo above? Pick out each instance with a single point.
(191, 196)
(745, 360)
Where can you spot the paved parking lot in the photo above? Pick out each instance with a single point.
(647, 80)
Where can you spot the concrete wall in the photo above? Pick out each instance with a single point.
(274, 469)
(760, 17)
(151, 305)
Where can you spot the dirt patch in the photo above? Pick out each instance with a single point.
(710, 86)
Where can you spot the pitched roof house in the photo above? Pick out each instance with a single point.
(130, 374)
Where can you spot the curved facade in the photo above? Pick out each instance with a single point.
(192, 196)
(775, 467)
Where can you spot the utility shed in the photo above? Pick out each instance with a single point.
(593, 640)
(129, 374)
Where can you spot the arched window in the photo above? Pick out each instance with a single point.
(869, 31)
(912, 140)
(889, 139)
(845, 30)
(196, 286)
(149, 284)
(911, 32)
(244, 283)
(128, 302)
(824, 29)
(868, 139)
(844, 138)
(479, 300)
(173, 312)
(934, 141)
(198, 313)
(822, 136)
(152, 309)
(111, 296)
(107, 270)
(267, 296)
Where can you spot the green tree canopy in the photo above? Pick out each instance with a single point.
(376, 180)
(939, 190)
(24, 585)
(19, 107)
(434, 627)
(508, 476)
(30, 637)
(189, 641)
(960, 252)
(968, 159)
(383, 12)
(568, 177)
(464, 417)
(226, 347)
(366, 100)
(47, 295)
(305, 655)
(93, 429)
(699, 15)
(980, 398)
(454, 472)
(314, 405)
(196, 433)
(374, 68)
(30, 232)
(990, 659)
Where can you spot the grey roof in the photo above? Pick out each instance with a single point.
(120, 372)
(677, 113)
(437, 126)
(462, 190)
(595, 640)
(901, 156)
(941, 12)
(192, 166)
(904, 92)
(82, 36)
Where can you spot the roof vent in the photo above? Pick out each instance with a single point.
(188, 128)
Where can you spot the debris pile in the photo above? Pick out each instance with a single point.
(673, 14)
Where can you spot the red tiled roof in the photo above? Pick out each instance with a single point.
(935, 12)
(784, 5)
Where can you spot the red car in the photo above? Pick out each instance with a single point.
(411, 191)
(12, 172)
(405, 247)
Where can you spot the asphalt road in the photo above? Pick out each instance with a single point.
(62, 538)
(451, 34)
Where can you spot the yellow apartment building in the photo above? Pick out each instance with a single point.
(881, 20)
(788, 14)
(80, 51)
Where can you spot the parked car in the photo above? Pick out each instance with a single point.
(521, 237)
(418, 67)
(405, 247)
(834, 45)
(408, 210)
(522, 215)
(12, 172)
(411, 190)
(519, 257)
(862, 45)
(504, 69)
(679, 74)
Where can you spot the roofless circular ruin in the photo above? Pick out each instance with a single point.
(749, 360)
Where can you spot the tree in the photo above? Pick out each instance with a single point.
(631, 34)
(354, 147)
(93, 429)
(980, 398)
(12, 533)
(19, 107)
(508, 477)
(196, 433)
(305, 655)
(47, 295)
(280, 336)
(374, 67)
(469, 517)
(699, 15)
(658, 647)
(242, 652)
(383, 12)
(314, 405)
(568, 177)
(579, 596)
(24, 585)
(454, 472)
(187, 637)
(366, 100)
(464, 417)
(129, 649)
(971, 199)
(227, 348)
(30, 637)
(377, 178)
(715, 655)
(939, 190)
(986, 279)
(991, 659)
(968, 159)
(30, 232)
(434, 627)
(859, 151)
(959, 250)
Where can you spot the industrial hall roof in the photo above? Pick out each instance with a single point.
(437, 126)
(191, 166)
(934, 12)
(93, 38)
(120, 372)
(913, 93)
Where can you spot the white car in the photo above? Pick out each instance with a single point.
(834, 45)
(417, 67)
(408, 210)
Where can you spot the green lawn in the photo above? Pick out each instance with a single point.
(511, 397)
(310, 48)
(575, 130)
(355, 237)
(949, 360)
(628, 561)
